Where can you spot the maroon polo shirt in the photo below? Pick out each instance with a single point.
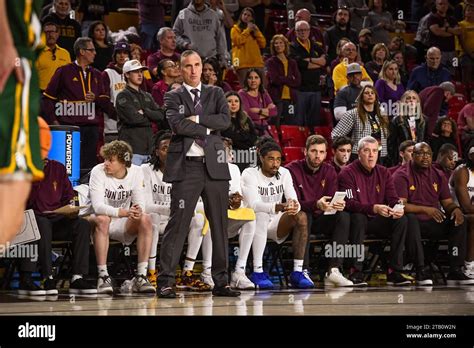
(53, 192)
(311, 186)
(365, 189)
(70, 84)
(447, 173)
(426, 187)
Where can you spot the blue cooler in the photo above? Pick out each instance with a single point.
(66, 148)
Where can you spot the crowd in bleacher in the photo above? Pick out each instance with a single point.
(356, 99)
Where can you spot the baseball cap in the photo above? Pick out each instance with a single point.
(132, 65)
(353, 68)
(121, 46)
(365, 31)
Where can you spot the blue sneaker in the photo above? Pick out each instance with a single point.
(261, 280)
(300, 281)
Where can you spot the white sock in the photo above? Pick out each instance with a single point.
(154, 246)
(469, 265)
(141, 268)
(75, 277)
(207, 252)
(102, 270)
(189, 265)
(260, 241)
(247, 233)
(194, 241)
(298, 265)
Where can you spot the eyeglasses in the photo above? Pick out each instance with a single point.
(302, 30)
(89, 49)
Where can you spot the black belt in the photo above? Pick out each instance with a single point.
(201, 159)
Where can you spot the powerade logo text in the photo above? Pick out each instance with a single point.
(69, 153)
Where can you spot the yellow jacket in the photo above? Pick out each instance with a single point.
(339, 76)
(246, 48)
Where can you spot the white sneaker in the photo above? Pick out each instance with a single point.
(105, 285)
(469, 272)
(141, 284)
(335, 278)
(240, 281)
(206, 278)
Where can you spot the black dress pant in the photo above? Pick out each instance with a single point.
(381, 227)
(184, 196)
(336, 227)
(430, 229)
(60, 228)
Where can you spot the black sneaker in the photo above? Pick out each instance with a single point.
(358, 278)
(457, 277)
(49, 285)
(397, 279)
(423, 277)
(81, 286)
(28, 287)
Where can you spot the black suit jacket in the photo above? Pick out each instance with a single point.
(179, 105)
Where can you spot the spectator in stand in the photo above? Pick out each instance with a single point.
(346, 98)
(371, 197)
(405, 152)
(168, 72)
(389, 86)
(358, 10)
(226, 23)
(365, 45)
(445, 132)
(283, 79)
(430, 73)
(379, 21)
(241, 131)
(315, 34)
(341, 149)
(293, 6)
(90, 11)
(136, 52)
(311, 61)
(212, 74)
(247, 41)
(398, 44)
(380, 55)
(114, 83)
(364, 120)
(51, 56)
(151, 18)
(340, 53)
(442, 32)
(339, 75)
(424, 191)
(466, 127)
(167, 39)
(399, 58)
(68, 87)
(449, 90)
(256, 101)
(409, 124)
(462, 190)
(339, 30)
(446, 160)
(198, 27)
(466, 40)
(98, 34)
(136, 110)
(69, 29)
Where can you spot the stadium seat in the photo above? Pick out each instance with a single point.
(294, 135)
(292, 153)
(273, 130)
